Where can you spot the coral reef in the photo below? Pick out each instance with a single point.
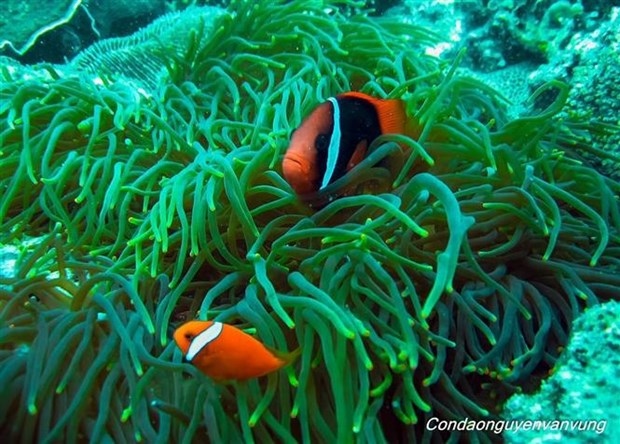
(596, 92)
(441, 292)
(584, 386)
(517, 46)
(506, 32)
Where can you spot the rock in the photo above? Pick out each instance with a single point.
(582, 392)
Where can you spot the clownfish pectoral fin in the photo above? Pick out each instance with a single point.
(358, 155)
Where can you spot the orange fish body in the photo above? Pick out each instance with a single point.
(224, 352)
(335, 137)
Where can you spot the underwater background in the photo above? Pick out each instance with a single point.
(141, 187)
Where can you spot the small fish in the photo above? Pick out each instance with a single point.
(335, 137)
(225, 353)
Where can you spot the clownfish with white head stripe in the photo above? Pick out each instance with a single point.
(225, 353)
(335, 137)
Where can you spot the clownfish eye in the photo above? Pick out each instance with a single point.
(189, 336)
(322, 142)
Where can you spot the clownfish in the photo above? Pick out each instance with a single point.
(225, 353)
(335, 137)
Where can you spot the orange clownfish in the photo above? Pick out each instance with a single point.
(335, 137)
(225, 353)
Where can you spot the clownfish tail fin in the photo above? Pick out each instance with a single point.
(295, 353)
(413, 128)
(392, 116)
(286, 357)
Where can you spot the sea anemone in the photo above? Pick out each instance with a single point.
(435, 291)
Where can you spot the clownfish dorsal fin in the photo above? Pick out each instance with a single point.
(333, 150)
(204, 338)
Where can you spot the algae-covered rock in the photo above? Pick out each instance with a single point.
(506, 32)
(596, 91)
(22, 23)
(582, 395)
(121, 17)
(42, 31)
